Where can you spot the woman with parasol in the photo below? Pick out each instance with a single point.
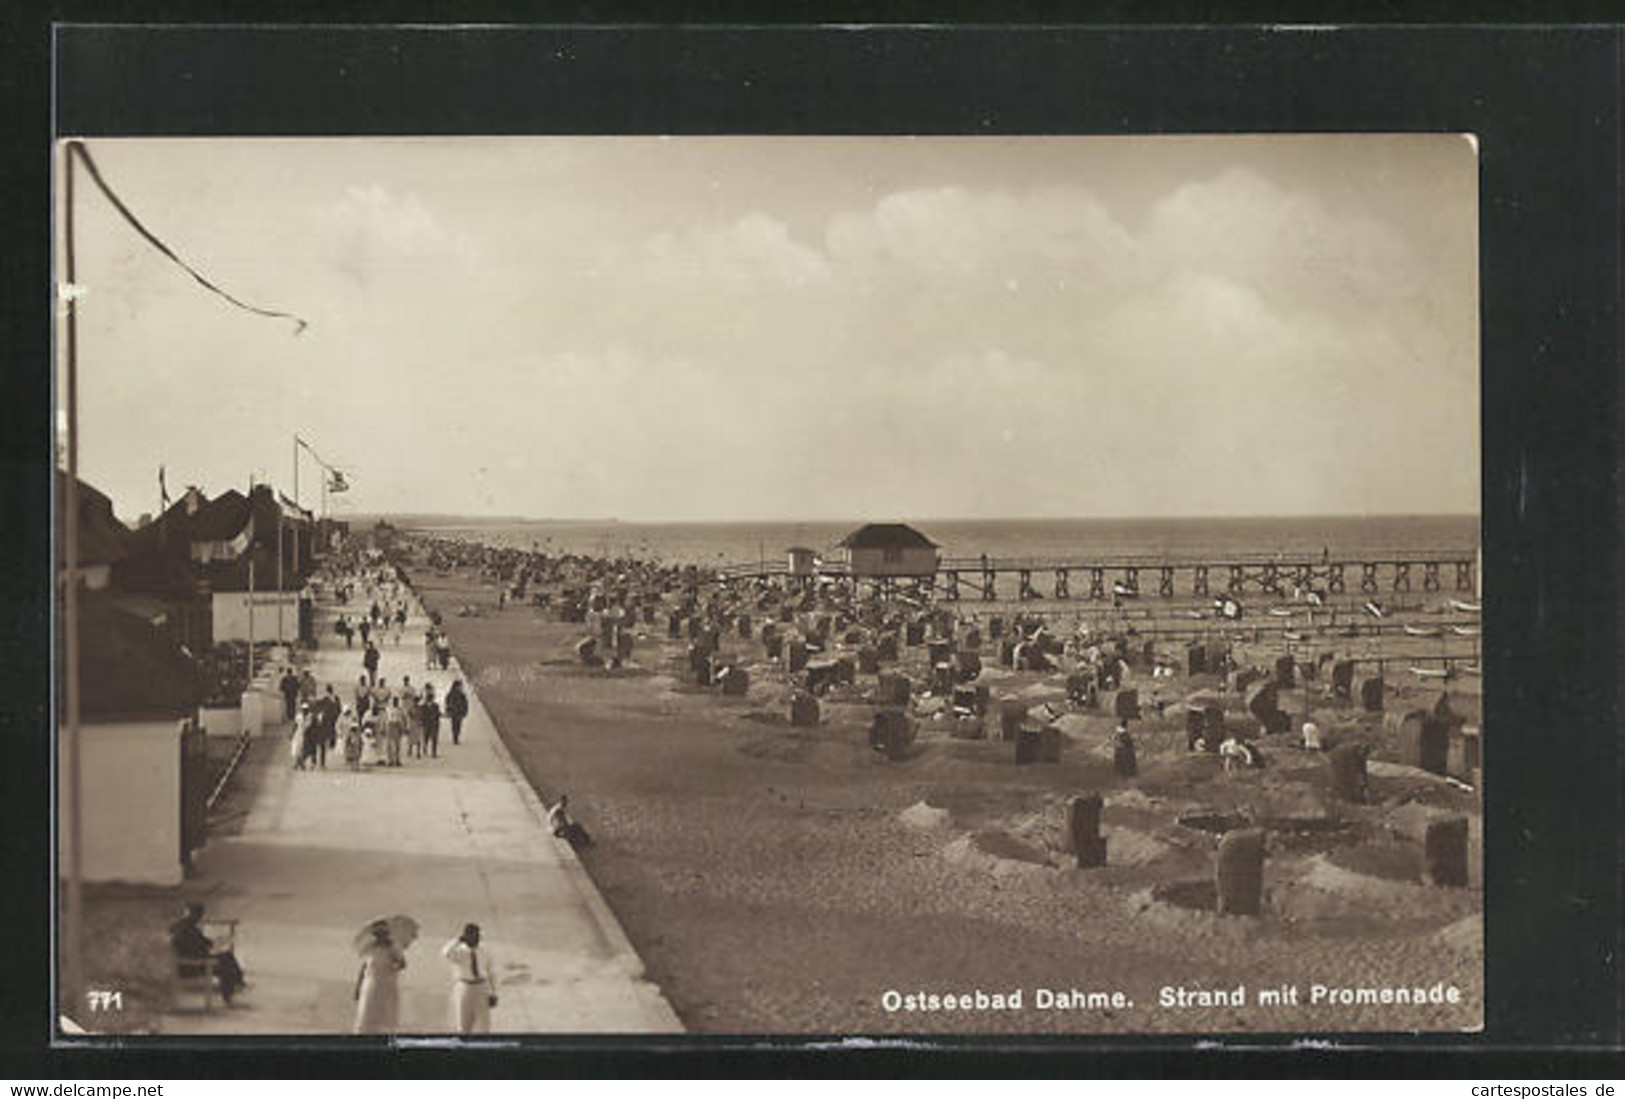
(382, 945)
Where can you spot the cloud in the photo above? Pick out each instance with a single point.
(755, 246)
(959, 232)
(1281, 243)
(370, 227)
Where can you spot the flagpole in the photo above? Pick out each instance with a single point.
(296, 500)
(252, 535)
(279, 583)
(72, 959)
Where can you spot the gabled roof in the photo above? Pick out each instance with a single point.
(221, 519)
(887, 536)
(102, 538)
(130, 670)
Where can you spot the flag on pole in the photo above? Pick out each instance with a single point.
(337, 483)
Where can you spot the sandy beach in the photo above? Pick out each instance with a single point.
(785, 879)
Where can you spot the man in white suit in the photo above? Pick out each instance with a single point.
(474, 984)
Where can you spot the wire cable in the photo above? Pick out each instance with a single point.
(78, 149)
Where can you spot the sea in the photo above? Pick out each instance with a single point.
(1103, 539)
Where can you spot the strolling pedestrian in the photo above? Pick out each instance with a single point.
(369, 660)
(354, 742)
(296, 742)
(456, 709)
(429, 648)
(326, 709)
(373, 738)
(365, 630)
(430, 721)
(363, 698)
(289, 686)
(395, 728)
(473, 985)
(314, 746)
(442, 647)
(412, 725)
(307, 686)
(377, 985)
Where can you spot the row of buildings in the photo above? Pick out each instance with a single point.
(158, 606)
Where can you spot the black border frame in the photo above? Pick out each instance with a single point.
(1545, 103)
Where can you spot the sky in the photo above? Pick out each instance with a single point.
(752, 328)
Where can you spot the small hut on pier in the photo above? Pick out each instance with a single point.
(888, 550)
(803, 561)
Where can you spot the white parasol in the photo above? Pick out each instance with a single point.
(403, 932)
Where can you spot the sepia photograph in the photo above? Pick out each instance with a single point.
(773, 585)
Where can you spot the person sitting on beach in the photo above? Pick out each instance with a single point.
(566, 827)
(1235, 752)
(190, 944)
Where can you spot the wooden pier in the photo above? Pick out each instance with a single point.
(990, 579)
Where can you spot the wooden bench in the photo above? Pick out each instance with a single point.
(195, 976)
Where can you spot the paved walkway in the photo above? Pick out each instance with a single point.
(450, 840)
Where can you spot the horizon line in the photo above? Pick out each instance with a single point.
(606, 520)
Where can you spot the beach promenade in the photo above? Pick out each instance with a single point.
(447, 841)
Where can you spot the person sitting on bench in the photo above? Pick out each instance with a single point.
(190, 944)
(566, 828)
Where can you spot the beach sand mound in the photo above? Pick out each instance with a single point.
(925, 817)
(995, 852)
(1374, 889)
(797, 747)
(1127, 847)
(1465, 936)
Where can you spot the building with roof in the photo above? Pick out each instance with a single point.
(158, 566)
(102, 539)
(803, 561)
(142, 774)
(887, 550)
(255, 554)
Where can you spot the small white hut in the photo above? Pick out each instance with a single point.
(803, 561)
